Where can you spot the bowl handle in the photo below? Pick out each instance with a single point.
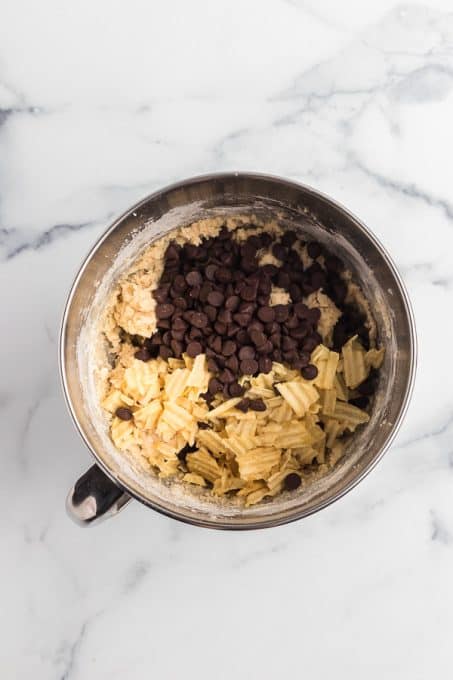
(94, 497)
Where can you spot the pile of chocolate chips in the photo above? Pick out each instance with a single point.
(214, 298)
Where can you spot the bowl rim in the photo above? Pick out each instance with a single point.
(269, 521)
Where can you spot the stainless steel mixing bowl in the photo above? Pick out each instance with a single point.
(109, 484)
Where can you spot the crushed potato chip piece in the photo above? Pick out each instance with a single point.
(355, 369)
(350, 414)
(374, 357)
(193, 478)
(211, 441)
(326, 362)
(257, 463)
(202, 463)
(141, 382)
(340, 388)
(115, 400)
(147, 416)
(224, 408)
(298, 394)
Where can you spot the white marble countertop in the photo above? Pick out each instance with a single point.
(101, 103)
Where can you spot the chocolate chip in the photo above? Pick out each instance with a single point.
(248, 366)
(177, 348)
(318, 280)
(309, 372)
(194, 278)
(302, 360)
(156, 339)
(265, 239)
(228, 348)
(317, 338)
(232, 303)
(295, 292)
(232, 363)
(314, 315)
(283, 280)
(293, 322)
(180, 303)
(161, 293)
(243, 337)
(179, 324)
(235, 390)
(225, 316)
(215, 298)
(123, 413)
(267, 348)
(314, 249)
(167, 338)
(276, 339)
(179, 283)
(301, 310)
(288, 344)
(205, 289)
(243, 405)
(247, 308)
(264, 288)
(223, 275)
(256, 326)
(309, 344)
(281, 312)
(215, 343)
(199, 320)
(164, 311)
(226, 376)
(194, 293)
(246, 352)
(279, 251)
(232, 330)
(220, 327)
(257, 337)
(212, 365)
(242, 319)
(143, 354)
(211, 313)
(265, 364)
(289, 238)
(277, 355)
(300, 332)
(266, 314)
(210, 272)
(257, 405)
(164, 324)
(290, 357)
(248, 293)
(172, 252)
(194, 348)
(270, 270)
(165, 352)
(193, 334)
(292, 481)
(214, 386)
(272, 328)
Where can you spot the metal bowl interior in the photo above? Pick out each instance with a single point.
(304, 209)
